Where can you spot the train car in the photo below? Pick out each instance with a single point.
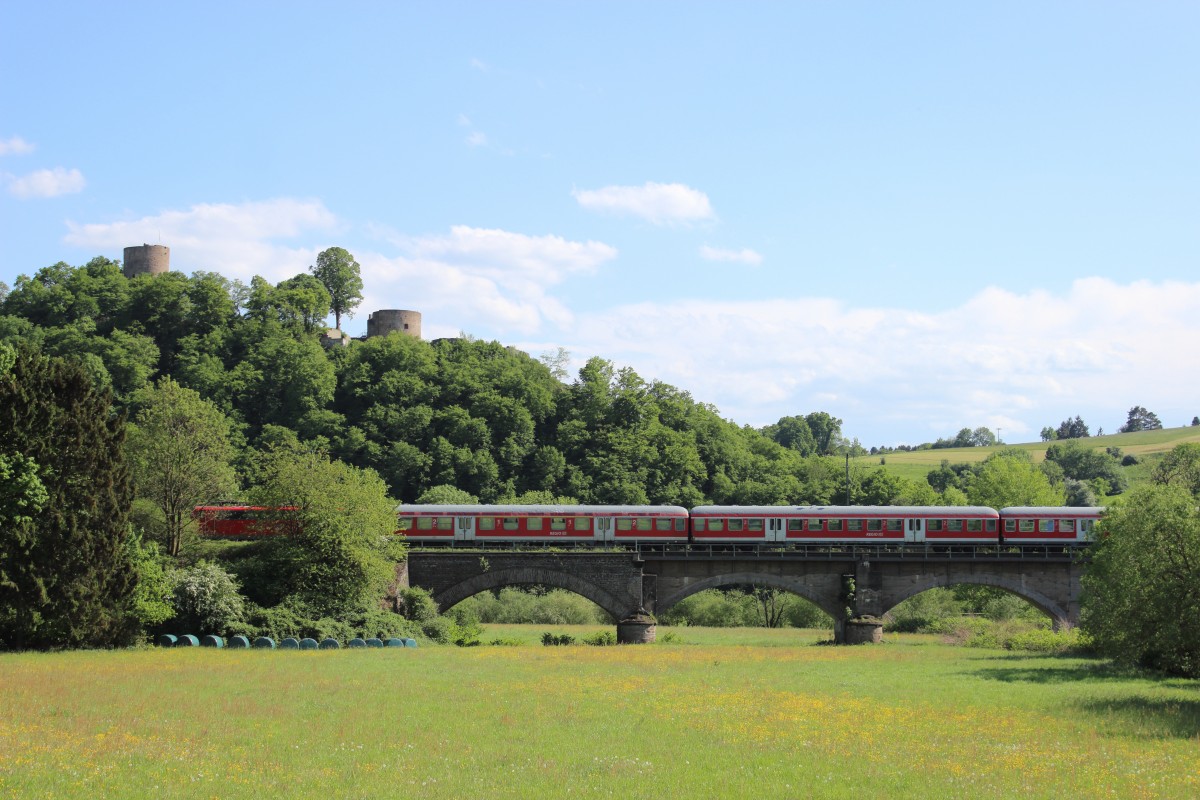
(238, 521)
(845, 524)
(529, 523)
(1049, 524)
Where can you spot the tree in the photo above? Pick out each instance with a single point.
(982, 437)
(1084, 463)
(1049, 434)
(337, 270)
(1073, 429)
(1140, 420)
(180, 453)
(341, 547)
(1141, 592)
(1180, 467)
(1195, 421)
(66, 576)
(1010, 478)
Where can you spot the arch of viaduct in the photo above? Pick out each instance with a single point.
(624, 584)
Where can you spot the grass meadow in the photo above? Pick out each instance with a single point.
(714, 714)
(1147, 445)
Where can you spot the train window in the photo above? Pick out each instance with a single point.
(1010, 526)
(795, 524)
(624, 524)
(716, 524)
(816, 524)
(533, 523)
(445, 523)
(1045, 525)
(991, 526)
(511, 523)
(558, 523)
(735, 524)
(934, 526)
(854, 524)
(975, 525)
(424, 523)
(644, 523)
(754, 524)
(662, 524)
(1026, 525)
(583, 523)
(874, 524)
(404, 524)
(895, 525)
(1066, 525)
(486, 523)
(955, 525)
(681, 524)
(698, 523)
(835, 524)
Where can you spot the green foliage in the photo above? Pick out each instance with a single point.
(340, 548)
(206, 600)
(1140, 419)
(601, 639)
(66, 576)
(557, 640)
(1180, 467)
(1009, 478)
(446, 495)
(339, 273)
(737, 608)
(514, 605)
(922, 612)
(1141, 602)
(152, 599)
(180, 453)
(1083, 463)
(417, 604)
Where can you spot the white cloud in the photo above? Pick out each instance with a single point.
(659, 203)
(743, 256)
(477, 139)
(1019, 361)
(237, 240)
(477, 276)
(15, 146)
(48, 183)
(480, 65)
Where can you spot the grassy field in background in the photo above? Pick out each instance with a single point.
(709, 716)
(1147, 445)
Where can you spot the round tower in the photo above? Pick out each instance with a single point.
(147, 259)
(381, 323)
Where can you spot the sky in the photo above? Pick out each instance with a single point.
(917, 217)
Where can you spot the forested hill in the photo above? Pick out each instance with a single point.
(487, 419)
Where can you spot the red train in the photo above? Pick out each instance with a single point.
(452, 524)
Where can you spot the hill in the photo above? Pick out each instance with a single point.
(1148, 446)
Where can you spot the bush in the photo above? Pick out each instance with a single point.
(417, 604)
(601, 639)
(923, 612)
(206, 600)
(1043, 640)
(552, 640)
(515, 606)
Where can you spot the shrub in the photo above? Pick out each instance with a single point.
(206, 599)
(601, 639)
(552, 640)
(418, 605)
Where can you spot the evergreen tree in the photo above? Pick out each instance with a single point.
(66, 574)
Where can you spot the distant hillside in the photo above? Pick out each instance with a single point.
(1148, 446)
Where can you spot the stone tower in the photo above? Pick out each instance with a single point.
(146, 259)
(381, 323)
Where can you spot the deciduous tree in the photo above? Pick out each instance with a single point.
(180, 455)
(337, 270)
(1141, 601)
(1140, 420)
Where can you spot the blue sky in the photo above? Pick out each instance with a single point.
(917, 217)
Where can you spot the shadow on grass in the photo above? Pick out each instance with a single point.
(1156, 718)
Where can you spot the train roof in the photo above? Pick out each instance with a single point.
(1051, 511)
(557, 510)
(833, 511)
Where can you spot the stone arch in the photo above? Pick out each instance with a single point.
(499, 578)
(797, 586)
(1041, 602)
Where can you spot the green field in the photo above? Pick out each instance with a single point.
(1147, 445)
(706, 717)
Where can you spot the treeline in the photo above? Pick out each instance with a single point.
(489, 420)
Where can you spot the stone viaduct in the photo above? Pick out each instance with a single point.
(856, 581)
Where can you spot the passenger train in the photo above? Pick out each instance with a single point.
(601, 524)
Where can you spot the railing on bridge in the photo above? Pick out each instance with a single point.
(785, 551)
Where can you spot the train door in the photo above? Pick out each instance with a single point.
(604, 529)
(776, 529)
(464, 531)
(914, 531)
